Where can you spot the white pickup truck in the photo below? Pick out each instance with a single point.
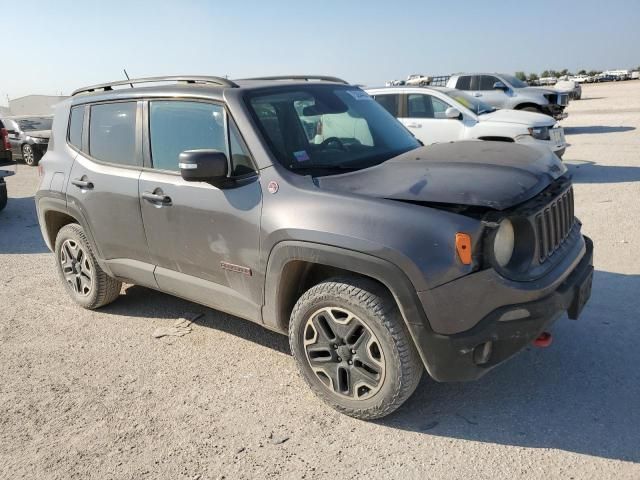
(439, 114)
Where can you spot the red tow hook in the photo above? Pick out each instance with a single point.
(543, 340)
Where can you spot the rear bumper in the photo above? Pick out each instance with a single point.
(507, 329)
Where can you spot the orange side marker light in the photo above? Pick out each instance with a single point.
(463, 247)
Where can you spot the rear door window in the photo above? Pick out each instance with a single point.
(390, 102)
(112, 133)
(419, 106)
(464, 83)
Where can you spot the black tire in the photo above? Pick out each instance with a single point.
(86, 282)
(3, 195)
(30, 155)
(531, 109)
(388, 345)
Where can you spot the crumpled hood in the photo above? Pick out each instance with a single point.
(39, 133)
(497, 175)
(530, 119)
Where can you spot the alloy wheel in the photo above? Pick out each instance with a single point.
(344, 353)
(28, 155)
(76, 267)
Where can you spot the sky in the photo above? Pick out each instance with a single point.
(53, 47)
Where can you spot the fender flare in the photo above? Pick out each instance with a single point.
(57, 202)
(379, 269)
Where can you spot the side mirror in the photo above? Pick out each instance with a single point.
(500, 86)
(203, 165)
(452, 113)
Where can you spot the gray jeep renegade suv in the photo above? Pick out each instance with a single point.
(300, 204)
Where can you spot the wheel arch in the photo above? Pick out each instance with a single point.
(293, 267)
(54, 213)
(524, 105)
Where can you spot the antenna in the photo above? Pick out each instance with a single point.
(127, 75)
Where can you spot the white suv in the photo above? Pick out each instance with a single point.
(438, 114)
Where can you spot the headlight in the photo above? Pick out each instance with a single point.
(40, 140)
(540, 133)
(504, 243)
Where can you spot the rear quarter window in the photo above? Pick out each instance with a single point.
(76, 121)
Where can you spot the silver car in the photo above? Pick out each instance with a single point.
(501, 90)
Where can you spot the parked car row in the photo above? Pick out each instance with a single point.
(28, 137)
(438, 114)
(301, 204)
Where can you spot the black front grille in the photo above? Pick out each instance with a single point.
(554, 223)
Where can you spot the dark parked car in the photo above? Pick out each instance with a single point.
(378, 257)
(6, 160)
(29, 137)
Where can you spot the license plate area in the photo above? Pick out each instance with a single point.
(582, 295)
(557, 136)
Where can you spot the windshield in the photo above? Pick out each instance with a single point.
(35, 123)
(323, 129)
(515, 83)
(472, 103)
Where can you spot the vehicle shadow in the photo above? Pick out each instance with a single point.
(136, 301)
(19, 227)
(590, 172)
(579, 395)
(596, 129)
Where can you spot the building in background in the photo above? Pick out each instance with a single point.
(33, 105)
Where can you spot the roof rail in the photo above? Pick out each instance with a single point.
(188, 79)
(323, 78)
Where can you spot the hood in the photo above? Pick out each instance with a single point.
(497, 175)
(39, 133)
(541, 90)
(530, 119)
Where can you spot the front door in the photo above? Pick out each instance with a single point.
(203, 239)
(493, 96)
(425, 118)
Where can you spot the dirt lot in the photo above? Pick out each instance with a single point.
(94, 395)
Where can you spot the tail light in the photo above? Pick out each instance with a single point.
(5, 139)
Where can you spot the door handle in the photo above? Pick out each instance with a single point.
(85, 184)
(415, 125)
(477, 94)
(157, 198)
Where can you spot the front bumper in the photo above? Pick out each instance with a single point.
(500, 333)
(555, 111)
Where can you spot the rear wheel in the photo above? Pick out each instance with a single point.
(29, 155)
(353, 348)
(78, 268)
(531, 109)
(3, 194)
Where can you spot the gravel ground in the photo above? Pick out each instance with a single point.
(95, 395)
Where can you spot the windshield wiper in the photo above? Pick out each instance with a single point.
(323, 167)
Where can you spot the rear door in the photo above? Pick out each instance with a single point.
(203, 239)
(425, 118)
(103, 185)
(13, 130)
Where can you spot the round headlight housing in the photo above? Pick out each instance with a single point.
(504, 243)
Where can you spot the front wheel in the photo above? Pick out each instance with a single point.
(531, 109)
(29, 155)
(86, 282)
(353, 348)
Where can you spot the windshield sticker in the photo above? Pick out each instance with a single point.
(359, 95)
(301, 156)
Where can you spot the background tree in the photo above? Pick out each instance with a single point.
(546, 73)
(582, 72)
(533, 77)
(593, 73)
(521, 76)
